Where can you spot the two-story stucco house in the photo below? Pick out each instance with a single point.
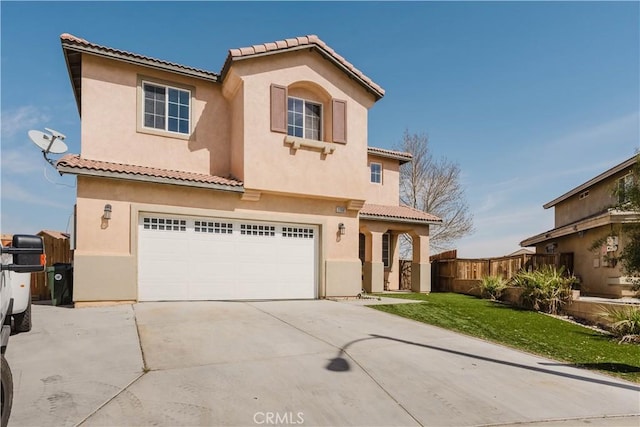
(589, 216)
(253, 183)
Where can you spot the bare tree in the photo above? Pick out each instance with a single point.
(433, 185)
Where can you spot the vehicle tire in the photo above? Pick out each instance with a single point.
(22, 321)
(7, 392)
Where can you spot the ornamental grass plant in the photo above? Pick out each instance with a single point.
(492, 287)
(625, 322)
(546, 289)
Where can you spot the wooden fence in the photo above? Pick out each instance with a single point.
(57, 249)
(452, 274)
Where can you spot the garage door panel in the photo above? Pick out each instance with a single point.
(224, 259)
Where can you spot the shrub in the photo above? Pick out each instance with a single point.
(546, 289)
(492, 287)
(625, 322)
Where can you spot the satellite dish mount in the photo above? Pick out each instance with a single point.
(51, 142)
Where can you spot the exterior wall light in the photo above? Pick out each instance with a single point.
(341, 229)
(107, 211)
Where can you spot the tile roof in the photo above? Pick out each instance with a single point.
(70, 41)
(400, 155)
(74, 164)
(302, 42)
(402, 213)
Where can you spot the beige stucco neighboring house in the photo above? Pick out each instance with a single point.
(253, 183)
(585, 216)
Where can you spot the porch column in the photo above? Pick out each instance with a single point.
(373, 265)
(420, 265)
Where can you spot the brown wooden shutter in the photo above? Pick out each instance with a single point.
(278, 108)
(339, 109)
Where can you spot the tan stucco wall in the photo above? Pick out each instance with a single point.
(231, 137)
(231, 126)
(110, 112)
(343, 277)
(269, 163)
(113, 244)
(601, 196)
(589, 265)
(388, 192)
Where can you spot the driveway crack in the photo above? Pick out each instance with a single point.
(144, 371)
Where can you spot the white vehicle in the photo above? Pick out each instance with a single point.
(26, 255)
(21, 294)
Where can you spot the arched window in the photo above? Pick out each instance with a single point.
(306, 110)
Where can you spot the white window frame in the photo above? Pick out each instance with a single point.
(167, 87)
(372, 173)
(304, 119)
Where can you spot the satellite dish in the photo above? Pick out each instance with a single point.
(48, 143)
(55, 133)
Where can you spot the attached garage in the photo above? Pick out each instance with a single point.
(186, 258)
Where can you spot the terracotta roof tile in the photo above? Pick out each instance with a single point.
(71, 39)
(312, 41)
(72, 162)
(400, 155)
(398, 213)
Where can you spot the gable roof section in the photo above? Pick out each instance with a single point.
(73, 47)
(299, 43)
(75, 165)
(397, 214)
(600, 219)
(390, 154)
(614, 170)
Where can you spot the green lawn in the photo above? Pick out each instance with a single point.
(525, 330)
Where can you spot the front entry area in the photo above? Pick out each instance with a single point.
(187, 258)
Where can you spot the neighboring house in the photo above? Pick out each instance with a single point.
(253, 183)
(586, 215)
(522, 251)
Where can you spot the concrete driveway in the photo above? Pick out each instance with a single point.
(289, 363)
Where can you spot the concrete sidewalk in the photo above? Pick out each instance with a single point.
(287, 363)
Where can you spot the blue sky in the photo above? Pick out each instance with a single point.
(530, 98)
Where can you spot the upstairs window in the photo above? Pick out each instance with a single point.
(166, 108)
(624, 186)
(376, 173)
(304, 118)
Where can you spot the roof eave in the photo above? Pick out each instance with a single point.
(610, 217)
(400, 220)
(74, 87)
(227, 64)
(72, 46)
(145, 178)
(401, 158)
(614, 170)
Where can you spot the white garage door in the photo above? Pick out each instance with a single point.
(183, 258)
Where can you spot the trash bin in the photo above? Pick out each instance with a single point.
(62, 284)
(50, 272)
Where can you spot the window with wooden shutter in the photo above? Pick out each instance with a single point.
(339, 108)
(278, 108)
